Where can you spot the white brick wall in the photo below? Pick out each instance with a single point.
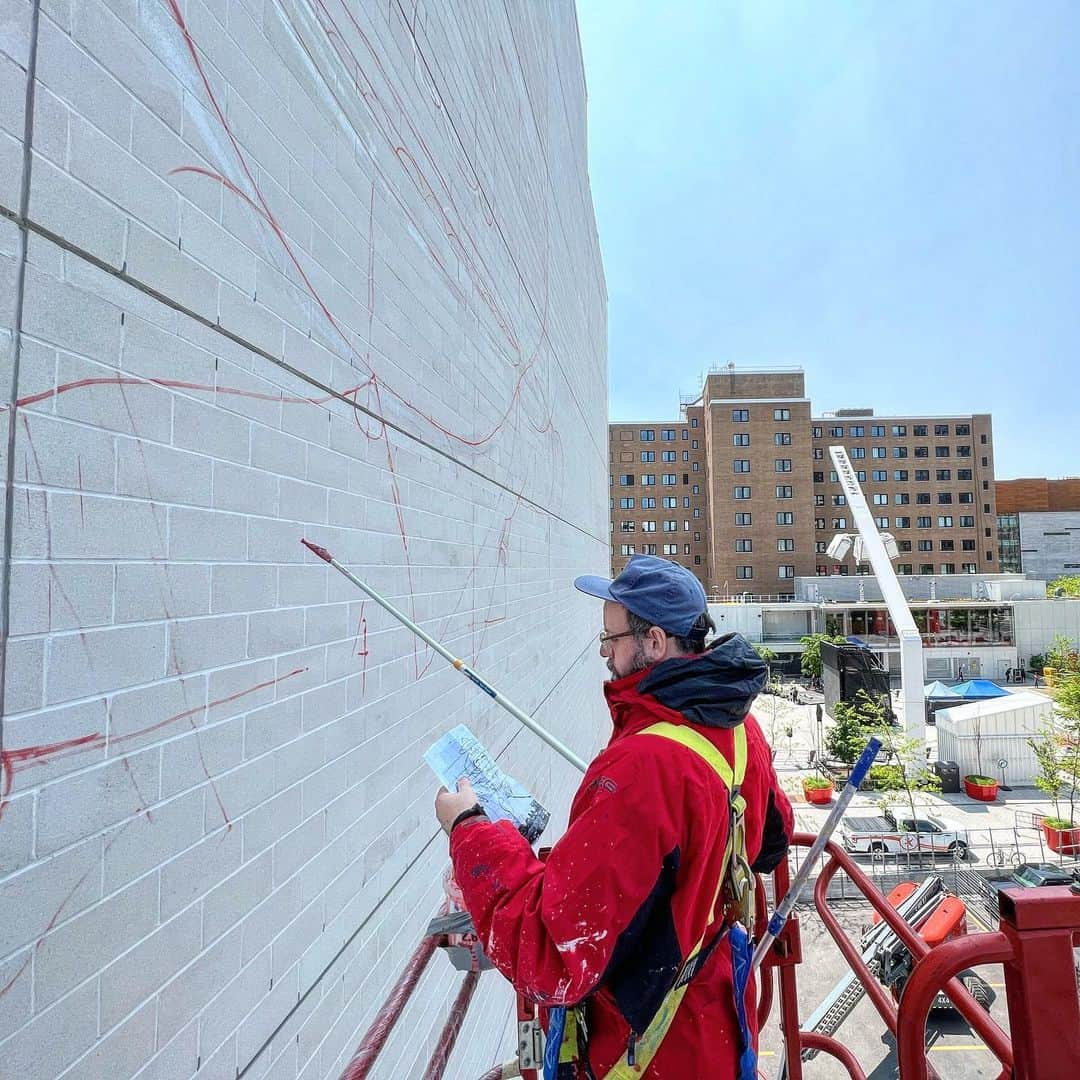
(217, 846)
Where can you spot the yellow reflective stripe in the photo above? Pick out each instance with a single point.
(646, 1047)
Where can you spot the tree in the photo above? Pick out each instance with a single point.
(767, 656)
(1063, 655)
(1064, 586)
(853, 722)
(1057, 752)
(811, 656)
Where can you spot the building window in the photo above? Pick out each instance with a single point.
(740, 416)
(839, 524)
(881, 522)
(877, 452)
(963, 451)
(626, 549)
(836, 433)
(669, 502)
(667, 435)
(948, 545)
(744, 573)
(740, 438)
(819, 478)
(901, 498)
(648, 480)
(900, 476)
(948, 568)
(963, 474)
(903, 568)
(742, 493)
(967, 545)
(669, 479)
(742, 465)
(820, 547)
(881, 499)
(695, 466)
(968, 568)
(967, 521)
(695, 490)
(648, 503)
(922, 476)
(685, 434)
(923, 522)
(648, 526)
(819, 523)
(926, 568)
(860, 475)
(782, 438)
(941, 430)
(785, 517)
(819, 500)
(819, 454)
(783, 491)
(919, 431)
(903, 545)
(626, 526)
(648, 549)
(785, 544)
(879, 476)
(944, 498)
(858, 453)
(816, 432)
(902, 522)
(821, 571)
(941, 451)
(945, 522)
(899, 451)
(671, 526)
(857, 431)
(626, 504)
(899, 431)
(744, 545)
(693, 421)
(781, 414)
(648, 455)
(697, 511)
(782, 464)
(670, 455)
(693, 444)
(787, 572)
(839, 500)
(922, 451)
(697, 560)
(647, 435)
(922, 498)
(877, 431)
(686, 502)
(944, 474)
(671, 549)
(626, 480)
(744, 519)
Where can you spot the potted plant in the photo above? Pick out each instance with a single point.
(817, 789)
(976, 785)
(1057, 753)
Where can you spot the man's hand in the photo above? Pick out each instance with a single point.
(448, 804)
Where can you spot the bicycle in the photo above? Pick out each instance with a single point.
(1011, 856)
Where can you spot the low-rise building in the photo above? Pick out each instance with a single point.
(1038, 525)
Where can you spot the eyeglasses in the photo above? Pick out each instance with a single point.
(605, 637)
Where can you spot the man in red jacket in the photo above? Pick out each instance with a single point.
(625, 918)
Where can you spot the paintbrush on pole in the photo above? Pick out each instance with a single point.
(518, 714)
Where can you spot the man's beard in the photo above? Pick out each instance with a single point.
(638, 661)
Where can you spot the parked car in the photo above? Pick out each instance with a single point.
(1035, 875)
(889, 834)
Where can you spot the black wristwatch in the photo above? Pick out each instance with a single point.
(473, 811)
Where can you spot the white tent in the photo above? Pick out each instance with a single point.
(1001, 727)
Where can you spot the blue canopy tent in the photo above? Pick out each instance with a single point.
(974, 689)
(935, 691)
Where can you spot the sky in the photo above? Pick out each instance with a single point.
(885, 194)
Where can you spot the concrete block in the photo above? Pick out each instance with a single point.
(298, 759)
(95, 527)
(237, 999)
(242, 789)
(199, 869)
(59, 887)
(55, 1037)
(69, 208)
(80, 805)
(201, 427)
(60, 596)
(17, 835)
(139, 973)
(224, 906)
(204, 239)
(277, 452)
(178, 1057)
(241, 688)
(147, 471)
(296, 848)
(151, 714)
(275, 541)
(54, 453)
(240, 587)
(301, 501)
(303, 584)
(260, 1024)
(16, 975)
(154, 349)
(158, 263)
(272, 726)
(62, 315)
(83, 945)
(94, 661)
(268, 823)
(206, 535)
(297, 938)
(143, 843)
(277, 631)
(266, 921)
(121, 1051)
(189, 993)
(200, 757)
(252, 323)
(244, 490)
(198, 644)
(159, 590)
(25, 664)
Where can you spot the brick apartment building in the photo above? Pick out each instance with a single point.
(1039, 526)
(742, 490)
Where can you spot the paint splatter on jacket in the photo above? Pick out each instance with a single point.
(625, 894)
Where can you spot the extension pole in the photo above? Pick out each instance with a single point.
(787, 905)
(518, 714)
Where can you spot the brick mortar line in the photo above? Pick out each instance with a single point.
(16, 351)
(27, 225)
(382, 899)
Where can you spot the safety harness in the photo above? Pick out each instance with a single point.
(735, 893)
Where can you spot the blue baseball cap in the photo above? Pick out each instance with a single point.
(665, 593)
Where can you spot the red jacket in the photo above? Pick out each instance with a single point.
(625, 894)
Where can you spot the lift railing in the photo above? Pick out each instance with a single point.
(1038, 928)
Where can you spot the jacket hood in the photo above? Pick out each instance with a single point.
(715, 688)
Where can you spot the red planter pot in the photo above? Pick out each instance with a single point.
(818, 796)
(1063, 841)
(981, 792)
